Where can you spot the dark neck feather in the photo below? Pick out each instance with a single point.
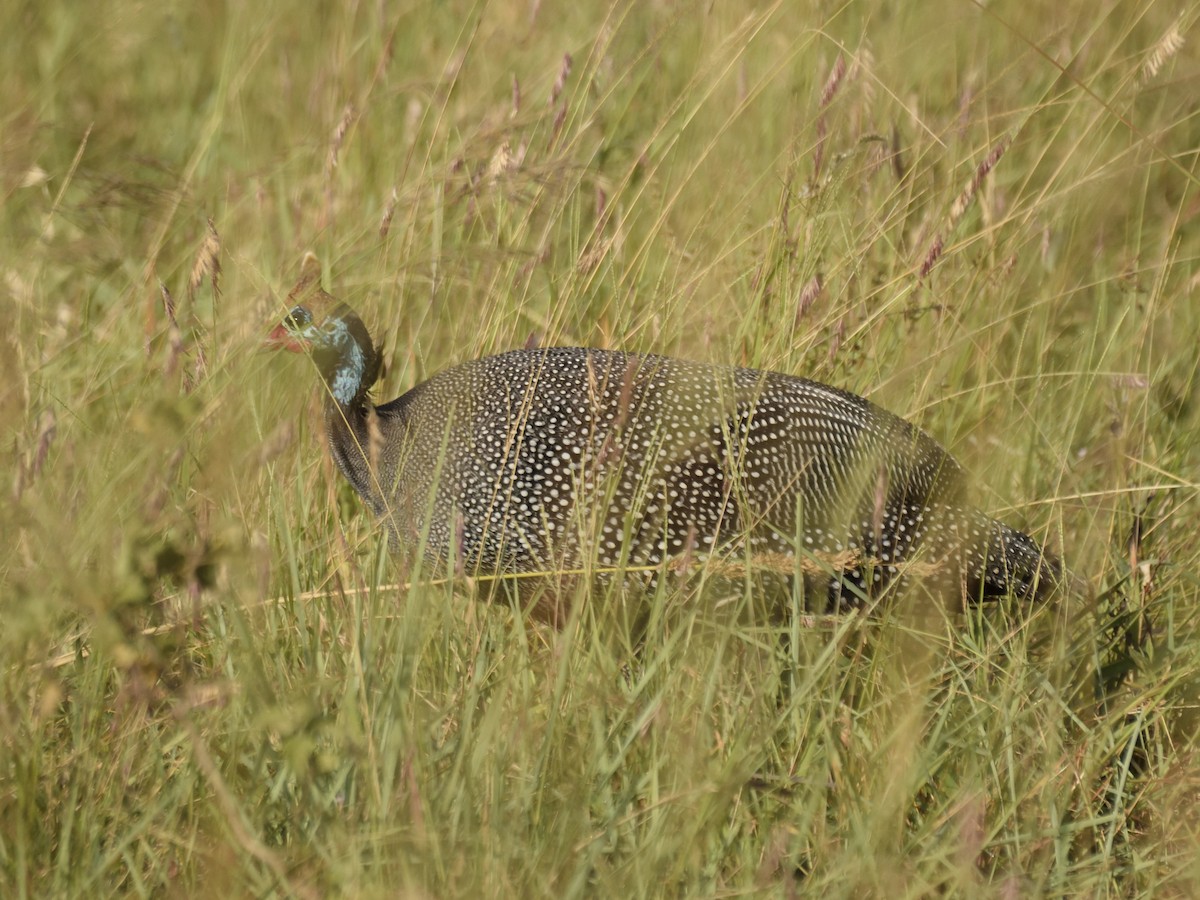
(350, 367)
(348, 363)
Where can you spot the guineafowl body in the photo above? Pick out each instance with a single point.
(543, 459)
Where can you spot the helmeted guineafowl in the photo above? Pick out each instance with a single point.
(540, 459)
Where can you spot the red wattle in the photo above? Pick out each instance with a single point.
(281, 339)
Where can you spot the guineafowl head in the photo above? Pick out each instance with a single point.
(340, 344)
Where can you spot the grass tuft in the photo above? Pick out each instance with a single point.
(217, 680)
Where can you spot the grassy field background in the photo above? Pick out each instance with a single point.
(985, 217)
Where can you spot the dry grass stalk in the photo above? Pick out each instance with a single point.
(819, 150)
(168, 304)
(833, 81)
(34, 176)
(199, 365)
(1136, 549)
(452, 69)
(808, 295)
(829, 89)
(564, 72)
(174, 333)
(931, 257)
(1165, 48)
(503, 161)
(1132, 381)
(818, 563)
(836, 338)
(385, 58)
(157, 501)
(310, 276)
(47, 428)
(963, 201)
(48, 225)
(412, 120)
(684, 560)
(881, 492)
(961, 204)
(559, 119)
(28, 469)
(207, 265)
(460, 539)
(862, 71)
(375, 440)
(339, 138)
(389, 210)
(516, 98)
(593, 254)
(331, 161)
(965, 99)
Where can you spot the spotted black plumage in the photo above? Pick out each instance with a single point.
(536, 460)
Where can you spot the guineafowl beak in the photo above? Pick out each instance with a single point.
(282, 339)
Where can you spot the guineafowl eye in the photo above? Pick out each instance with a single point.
(298, 318)
(556, 459)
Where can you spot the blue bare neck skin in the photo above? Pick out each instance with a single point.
(343, 364)
(346, 385)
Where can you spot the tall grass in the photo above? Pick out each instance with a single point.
(215, 680)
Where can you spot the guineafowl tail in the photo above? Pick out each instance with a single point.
(1016, 564)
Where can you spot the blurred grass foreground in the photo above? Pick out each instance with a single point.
(983, 216)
